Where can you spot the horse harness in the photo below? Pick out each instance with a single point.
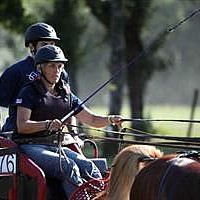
(176, 162)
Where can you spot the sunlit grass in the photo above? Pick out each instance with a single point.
(160, 112)
(165, 112)
(161, 128)
(174, 112)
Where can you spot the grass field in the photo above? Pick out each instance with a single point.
(161, 112)
(166, 112)
(162, 128)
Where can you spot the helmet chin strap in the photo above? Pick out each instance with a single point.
(33, 49)
(46, 79)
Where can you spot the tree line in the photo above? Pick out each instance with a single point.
(126, 31)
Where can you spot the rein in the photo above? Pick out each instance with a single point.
(178, 145)
(179, 142)
(143, 134)
(61, 153)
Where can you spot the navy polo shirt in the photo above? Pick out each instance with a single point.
(14, 78)
(11, 82)
(31, 99)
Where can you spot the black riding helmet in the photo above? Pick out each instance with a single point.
(40, 31)
(50, 53)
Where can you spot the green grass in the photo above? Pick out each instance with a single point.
(162, 128)
(165, 112)
(174, 112)
(161, 112)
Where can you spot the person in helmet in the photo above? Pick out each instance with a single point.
(40, 107)
(23, 71)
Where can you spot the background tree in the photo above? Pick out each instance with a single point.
(116, 63)
(139, 29)
(14, 19)
(136, 14)
(70, 15)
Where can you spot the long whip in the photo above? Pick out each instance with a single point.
(133, 61)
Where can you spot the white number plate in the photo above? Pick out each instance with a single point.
(8, 163)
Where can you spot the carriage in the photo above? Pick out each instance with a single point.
(21, 178)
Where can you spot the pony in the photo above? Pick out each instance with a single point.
(126, 164)
(172, 177)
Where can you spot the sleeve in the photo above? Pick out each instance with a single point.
(26, 98)
(76, 104)
(8, 82)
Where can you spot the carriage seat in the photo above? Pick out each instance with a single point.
(28, 173)
(101, 163)
(27, 180)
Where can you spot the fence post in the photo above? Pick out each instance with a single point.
(194, 103)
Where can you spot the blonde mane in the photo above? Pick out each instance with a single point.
(125, 167)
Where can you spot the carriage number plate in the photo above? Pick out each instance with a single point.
(8, 163)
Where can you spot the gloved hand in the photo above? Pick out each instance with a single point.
(79, 141)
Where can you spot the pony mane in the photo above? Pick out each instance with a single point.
(125, 167)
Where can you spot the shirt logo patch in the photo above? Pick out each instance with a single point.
(18, 101)
(32, 76)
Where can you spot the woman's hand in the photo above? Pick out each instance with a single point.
(54, 125)
(115, 120)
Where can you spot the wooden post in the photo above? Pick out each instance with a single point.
(194, 103)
